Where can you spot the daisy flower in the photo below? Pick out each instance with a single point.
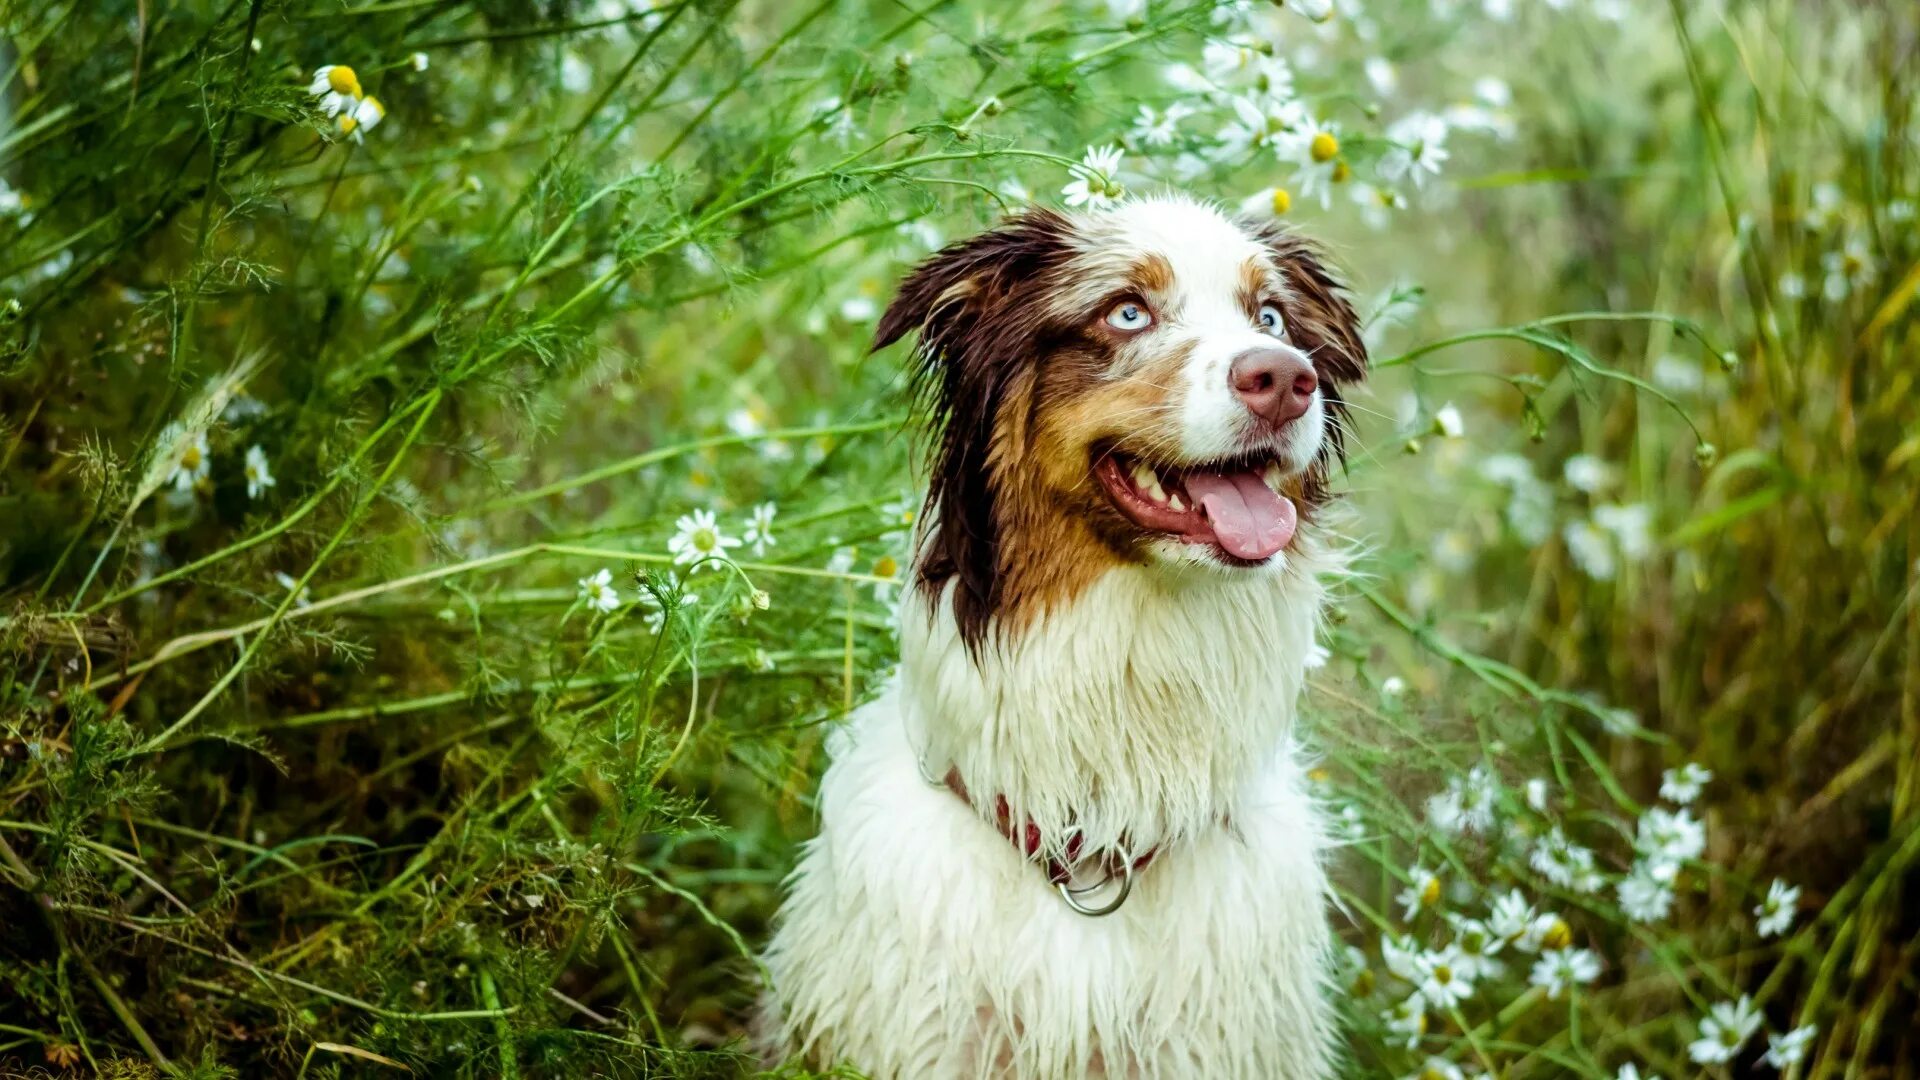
(337, 87)
(259, 476)
(1422, 891)
(1510, 916)
(1587, 473)
(1562, 861)
(888, 567)
(1726, 1029)
(1407, 1022)
(1437, 1069)
(1683, 785)
(597, 591)
(1153, 128)
(1667, 838)
(1630, 1071)
(1645, 898)
(1544, 934)
(191, 460)
(1474, 947)
(1630, 525)
(366, 116)
(1776, 912)
(1258, 122)
(1788, 1049)
(419, 61)
(1444, 980)
(699, 539)
(1419, 148)
(1267, 202)
(1592, 552)
(1094, 184)
(1402, 958)
(1561, 970)
(759, 531)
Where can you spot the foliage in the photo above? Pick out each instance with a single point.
(440, 532)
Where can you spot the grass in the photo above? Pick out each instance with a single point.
(360, 772)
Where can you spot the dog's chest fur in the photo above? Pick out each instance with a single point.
(1150, 712)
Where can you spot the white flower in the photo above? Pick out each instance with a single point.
(1467, 804)
(1560, 970)
(1381, 74)
(1317, 657)
(1126, 9)
(1419, 148)
(1726, 1029)
(887, 568)
(1475, 945)
(1402, 958)
(1393, 687)
(259, 476)
(1545, 933)
(597, 591)
(366, 116)
(1422, 891)
(1630, 1071)
(419, 61)
(1683, 785)
(1630, 526)
(759, 531)
(1667, 838)
(1445, 981)
(337, 87)
(1678, 375)
(1094, 184)
(859, 309)
(1777, 911)
(1438, 1069)
(1592, 552)
(1260, 121)
(1789, 1049)
(699, 540)
(1645, 898)
(1537, 792)
(191, 459)
(1447, 423)
(1153, 128)
(1848, 268)
(1407, 1022)
(1562, 861)
(1587, 473)
(1233, 63)
(1510, 916)
(1793, 286)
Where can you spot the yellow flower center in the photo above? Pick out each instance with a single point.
(1430, 893)
(1558, 936)
(1324, 147)
(1282, 200)
(342, 80)
(1342, 172)
(1442, 974)
(347, 124)
(704, 541)
(191, 459)
(885, 566)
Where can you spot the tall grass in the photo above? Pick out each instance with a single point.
(377, 694)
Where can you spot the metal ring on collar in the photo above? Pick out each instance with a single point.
(1072, 895)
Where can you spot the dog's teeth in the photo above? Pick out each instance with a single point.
(1271, 477)
(1148, 481)
(1175, 502)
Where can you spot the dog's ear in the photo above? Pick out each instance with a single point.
(963, 276)
(1321, 321)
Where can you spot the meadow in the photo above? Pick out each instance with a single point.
(447, 498)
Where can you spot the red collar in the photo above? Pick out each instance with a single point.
(1026, 837)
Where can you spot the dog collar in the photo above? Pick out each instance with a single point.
(1024, 835)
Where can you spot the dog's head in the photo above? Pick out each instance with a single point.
(1153, 384)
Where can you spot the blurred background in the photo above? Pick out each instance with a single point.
(446, 500)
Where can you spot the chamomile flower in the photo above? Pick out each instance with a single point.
(1419, 148)
(1726, 1029)
(418, 61)
(1267, 202)
(1155, 128)
(759, 530)
(1631, 527)
(1561, 970)
(1847, 269)
(1402, 958)
(1667, 838)
(1447, 422)
(191, 459)
(699, 541)
(1545, 933)
(1314, 141)
(1475, 945)
(337, 87)
(1775, 913)
(1587, 473)
(1509, 916)
(1562, 861)
(1683, 785)
(259, 476)
(597, 592)
(1591, 550)
(1645, 898)
(1630, 1071)
(1444, 979)
(1095, 184)
(1260, 122)
(1437, 1068)
(1393, 687)
(887, 568)
(1247, 65)
(1537, 793)
(1422, 891)
(1789, 1049)
(366, 115)
(1407, 1022)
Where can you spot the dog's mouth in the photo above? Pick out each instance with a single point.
(1243, 507)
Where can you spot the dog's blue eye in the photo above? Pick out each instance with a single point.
(1270, 318)
(1129, 316)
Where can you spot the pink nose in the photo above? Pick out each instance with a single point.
(1277, 385)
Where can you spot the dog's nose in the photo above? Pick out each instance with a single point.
(1277, 385)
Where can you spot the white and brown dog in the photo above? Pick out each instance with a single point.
(1117, 583)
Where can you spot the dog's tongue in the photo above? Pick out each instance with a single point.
(1249, 519)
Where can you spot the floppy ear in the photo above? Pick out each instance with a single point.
(973, 304)
(1322, 320)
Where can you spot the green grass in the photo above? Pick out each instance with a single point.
(344, 775)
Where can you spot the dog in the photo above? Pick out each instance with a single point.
(1073, 836)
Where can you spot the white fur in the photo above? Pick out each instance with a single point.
(1154, 710)
(917, 942)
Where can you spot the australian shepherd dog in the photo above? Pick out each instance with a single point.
(1073, 838)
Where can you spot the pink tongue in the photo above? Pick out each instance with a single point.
(1249, 519)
